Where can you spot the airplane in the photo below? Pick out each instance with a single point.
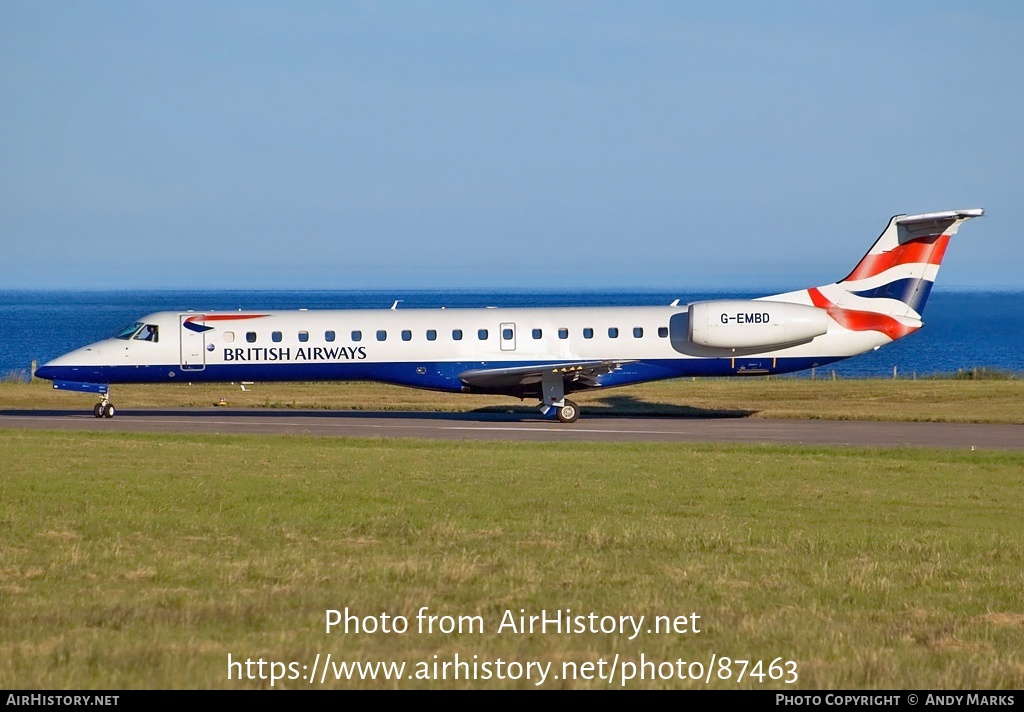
(538, 353)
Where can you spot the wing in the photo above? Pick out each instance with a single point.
(576, 375)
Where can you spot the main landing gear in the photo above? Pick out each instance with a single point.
(568, 413)
(104, 409)
(553, 396)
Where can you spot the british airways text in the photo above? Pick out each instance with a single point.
(312, 353)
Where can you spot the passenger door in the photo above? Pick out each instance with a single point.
(193, 344)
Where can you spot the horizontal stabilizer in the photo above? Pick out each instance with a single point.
(942, 216)
(915, 227)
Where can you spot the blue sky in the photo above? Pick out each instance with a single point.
(555, 145)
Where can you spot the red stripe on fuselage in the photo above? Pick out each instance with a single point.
(225, 317)
(927, 250)
(856, 320)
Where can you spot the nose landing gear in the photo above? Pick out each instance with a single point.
(104, 409)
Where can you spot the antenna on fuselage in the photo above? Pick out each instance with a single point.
(394, 307)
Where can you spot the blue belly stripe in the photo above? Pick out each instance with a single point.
(434, 376)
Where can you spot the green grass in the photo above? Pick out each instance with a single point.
(142, 561)
(984, 400)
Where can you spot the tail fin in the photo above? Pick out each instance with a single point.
(888, 288)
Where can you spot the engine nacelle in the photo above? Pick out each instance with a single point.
(740, 324)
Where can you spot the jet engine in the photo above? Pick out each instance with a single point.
(740, 324)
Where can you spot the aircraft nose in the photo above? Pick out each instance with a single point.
(62, 367)
(46, 371)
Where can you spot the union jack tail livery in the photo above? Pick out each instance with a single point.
(888, 289)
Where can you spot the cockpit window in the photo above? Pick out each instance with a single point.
(149, 332)
(129, 331)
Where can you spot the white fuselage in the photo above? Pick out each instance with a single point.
(429, 348)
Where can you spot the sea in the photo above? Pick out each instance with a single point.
(963, 331)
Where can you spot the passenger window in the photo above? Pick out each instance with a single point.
(588, 333)
(382, 335)
(457, 334)
(148, 333)
(482, 334)
(406, 335)
(303, 336)
(431, 335)
(537, 333)
(638, 332)
(229, 337)
(250, 336)
(663, 332)
(275, 336)
(563, 333)
(613, 332)
(328, 336)
(357, 336)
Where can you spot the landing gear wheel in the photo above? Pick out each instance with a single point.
(108, 410)
(568, 413)
(97, 410)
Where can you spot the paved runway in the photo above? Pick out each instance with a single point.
(492, 426)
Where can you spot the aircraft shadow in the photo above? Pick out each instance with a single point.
(623, 406)
(611, 406)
